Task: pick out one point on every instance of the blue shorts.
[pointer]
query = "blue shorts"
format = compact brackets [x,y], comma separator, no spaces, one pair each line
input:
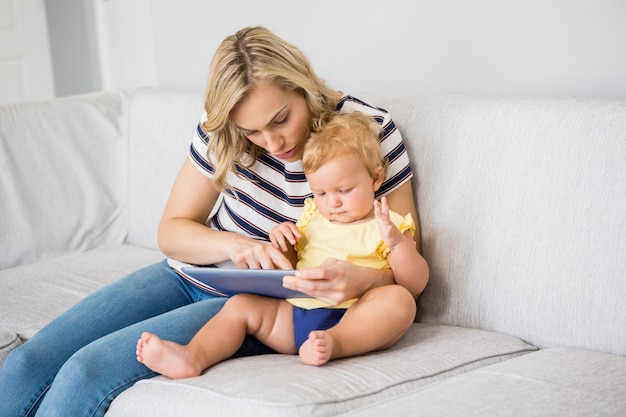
[305,321]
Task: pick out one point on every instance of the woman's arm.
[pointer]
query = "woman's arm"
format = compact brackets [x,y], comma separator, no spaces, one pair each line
[183,234]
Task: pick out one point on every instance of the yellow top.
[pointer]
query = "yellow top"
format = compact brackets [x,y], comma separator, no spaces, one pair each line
[359,243]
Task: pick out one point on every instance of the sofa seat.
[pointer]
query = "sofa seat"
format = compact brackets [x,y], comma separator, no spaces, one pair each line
[549,382]
[50,287]
[284,387]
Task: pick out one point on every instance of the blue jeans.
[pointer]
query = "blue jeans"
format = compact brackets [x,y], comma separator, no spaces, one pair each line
[77,364]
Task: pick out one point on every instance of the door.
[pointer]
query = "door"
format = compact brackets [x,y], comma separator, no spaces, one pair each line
[25,63]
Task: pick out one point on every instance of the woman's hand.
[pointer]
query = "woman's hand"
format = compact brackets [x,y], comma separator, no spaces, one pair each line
[183,233]
[254,254]
[335,281]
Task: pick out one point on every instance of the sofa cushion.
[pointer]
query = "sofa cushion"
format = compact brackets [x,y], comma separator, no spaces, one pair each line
[522,204]
[550,382]
[63,176]
[50,287]
[161,126]
[283,386]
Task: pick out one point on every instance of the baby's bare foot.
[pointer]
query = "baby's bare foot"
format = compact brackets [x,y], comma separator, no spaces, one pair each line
[318,349]
[165,357]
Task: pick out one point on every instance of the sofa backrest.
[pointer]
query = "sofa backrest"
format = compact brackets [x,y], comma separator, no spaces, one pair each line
[522,203]
[62,176]
[162,123]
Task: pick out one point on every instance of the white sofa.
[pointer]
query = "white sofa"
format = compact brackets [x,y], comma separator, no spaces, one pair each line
[522,203]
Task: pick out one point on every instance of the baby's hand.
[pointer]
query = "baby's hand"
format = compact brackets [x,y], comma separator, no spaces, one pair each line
[283,234]
[389,232]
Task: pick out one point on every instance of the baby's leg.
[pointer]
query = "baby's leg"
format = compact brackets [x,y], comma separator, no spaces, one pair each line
[219,338]
[215,341]
[273,326]
[318,348]
[375,322]
[167,358]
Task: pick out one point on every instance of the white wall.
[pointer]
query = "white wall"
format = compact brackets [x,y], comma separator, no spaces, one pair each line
[126,48]
[73,47]
[548,47]
[25,61]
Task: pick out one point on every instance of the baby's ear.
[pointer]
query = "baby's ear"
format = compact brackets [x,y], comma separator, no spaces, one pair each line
[378,177]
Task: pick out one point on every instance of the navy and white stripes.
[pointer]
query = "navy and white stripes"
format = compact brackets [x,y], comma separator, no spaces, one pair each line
[273,191]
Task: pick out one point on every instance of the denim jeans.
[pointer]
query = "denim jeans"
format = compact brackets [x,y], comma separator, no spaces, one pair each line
[77,364]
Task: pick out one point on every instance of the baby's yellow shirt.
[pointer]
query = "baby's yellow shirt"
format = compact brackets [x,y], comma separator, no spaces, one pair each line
[359,243]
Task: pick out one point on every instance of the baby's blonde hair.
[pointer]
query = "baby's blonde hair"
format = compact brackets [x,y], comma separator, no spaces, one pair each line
[255,55]
[345,133]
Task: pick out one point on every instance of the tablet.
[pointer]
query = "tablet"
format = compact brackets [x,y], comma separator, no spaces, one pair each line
[231,281]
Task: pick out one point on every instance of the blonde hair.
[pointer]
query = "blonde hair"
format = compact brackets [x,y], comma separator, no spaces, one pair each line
[345,133]
[255,55]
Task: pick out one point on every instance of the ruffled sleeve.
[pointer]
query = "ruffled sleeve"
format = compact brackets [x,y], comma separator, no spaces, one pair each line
[310,209]
[403,224]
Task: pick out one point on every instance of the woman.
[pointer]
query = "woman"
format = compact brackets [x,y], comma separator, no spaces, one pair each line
[262,101]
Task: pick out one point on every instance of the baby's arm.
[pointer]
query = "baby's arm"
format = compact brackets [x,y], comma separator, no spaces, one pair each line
[404,257]
[284,237]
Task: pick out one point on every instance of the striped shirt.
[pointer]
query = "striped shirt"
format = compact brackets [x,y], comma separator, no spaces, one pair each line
[273,191]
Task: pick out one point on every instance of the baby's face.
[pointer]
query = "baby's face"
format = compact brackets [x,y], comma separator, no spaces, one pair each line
[343,190]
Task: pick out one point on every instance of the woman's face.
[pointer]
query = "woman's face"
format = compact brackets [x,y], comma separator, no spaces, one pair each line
[274,119]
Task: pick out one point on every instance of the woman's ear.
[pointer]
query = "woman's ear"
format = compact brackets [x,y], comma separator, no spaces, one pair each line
[378,177]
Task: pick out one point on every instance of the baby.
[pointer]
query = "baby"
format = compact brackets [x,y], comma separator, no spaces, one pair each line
[343,220]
